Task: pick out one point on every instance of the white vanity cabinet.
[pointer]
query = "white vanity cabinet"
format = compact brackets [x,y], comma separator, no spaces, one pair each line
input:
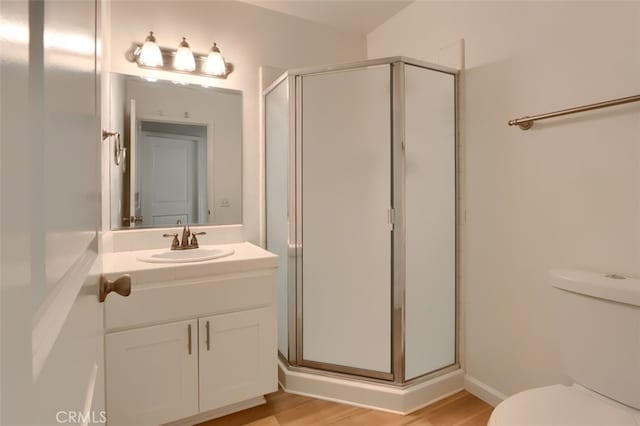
[152,375]
[235,357]
[195,345]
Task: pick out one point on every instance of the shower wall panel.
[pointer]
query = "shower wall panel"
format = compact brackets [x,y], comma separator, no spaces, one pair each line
[430,215]
[277,181]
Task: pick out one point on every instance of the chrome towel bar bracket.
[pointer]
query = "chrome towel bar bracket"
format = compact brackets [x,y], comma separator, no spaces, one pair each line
[119,152]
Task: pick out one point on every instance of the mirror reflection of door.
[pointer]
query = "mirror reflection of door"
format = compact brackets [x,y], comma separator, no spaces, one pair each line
[172,173]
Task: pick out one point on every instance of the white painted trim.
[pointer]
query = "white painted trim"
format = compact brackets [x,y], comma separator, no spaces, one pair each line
[53,312]
[370,395]
[214,414]
[483,391]
[426,393]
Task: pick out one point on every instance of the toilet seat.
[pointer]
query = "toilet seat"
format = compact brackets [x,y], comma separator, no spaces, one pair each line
[562,405]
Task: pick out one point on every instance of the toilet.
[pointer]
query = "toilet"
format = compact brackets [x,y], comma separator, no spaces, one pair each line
[598,321]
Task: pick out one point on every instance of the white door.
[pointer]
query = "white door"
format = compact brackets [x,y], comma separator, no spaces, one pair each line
[168,179]
[163,359]
[237,357]
[51,319]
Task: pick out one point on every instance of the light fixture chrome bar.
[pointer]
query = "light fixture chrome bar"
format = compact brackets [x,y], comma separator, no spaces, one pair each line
[525,123]
[133,55]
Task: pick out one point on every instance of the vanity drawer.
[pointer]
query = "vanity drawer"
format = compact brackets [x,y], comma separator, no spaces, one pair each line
[171,301]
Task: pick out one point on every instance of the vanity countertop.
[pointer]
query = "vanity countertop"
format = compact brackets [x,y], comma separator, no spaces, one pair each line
[246,257]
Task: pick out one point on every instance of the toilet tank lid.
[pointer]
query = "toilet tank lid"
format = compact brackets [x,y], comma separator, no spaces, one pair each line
[614,287]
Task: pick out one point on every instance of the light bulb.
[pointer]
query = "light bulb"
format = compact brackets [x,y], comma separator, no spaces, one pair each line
[215,62]
[184,60]
[150,54]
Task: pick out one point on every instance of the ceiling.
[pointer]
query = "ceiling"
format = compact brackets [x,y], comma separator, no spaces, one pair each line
[357,16]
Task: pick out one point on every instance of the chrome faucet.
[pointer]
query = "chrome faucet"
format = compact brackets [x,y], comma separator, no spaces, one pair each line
[186,233]
[184,243]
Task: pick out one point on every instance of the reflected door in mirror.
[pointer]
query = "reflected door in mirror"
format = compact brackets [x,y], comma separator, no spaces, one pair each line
[172,179]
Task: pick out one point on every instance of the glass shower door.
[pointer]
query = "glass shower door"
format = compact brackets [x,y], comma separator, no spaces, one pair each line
[345,178]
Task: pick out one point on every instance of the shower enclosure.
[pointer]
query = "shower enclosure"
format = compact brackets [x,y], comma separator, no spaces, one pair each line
[361,207]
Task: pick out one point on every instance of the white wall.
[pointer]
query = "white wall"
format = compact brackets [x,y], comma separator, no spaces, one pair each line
[249,37]
[566,193]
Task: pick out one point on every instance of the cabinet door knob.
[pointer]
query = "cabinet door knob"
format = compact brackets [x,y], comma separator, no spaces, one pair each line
[122,286]
[189,338]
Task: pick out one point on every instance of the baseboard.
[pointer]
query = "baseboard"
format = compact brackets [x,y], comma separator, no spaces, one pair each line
[483,391]
[214,414]
[370,395]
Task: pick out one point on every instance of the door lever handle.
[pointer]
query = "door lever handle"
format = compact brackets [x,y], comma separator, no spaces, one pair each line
[122,286]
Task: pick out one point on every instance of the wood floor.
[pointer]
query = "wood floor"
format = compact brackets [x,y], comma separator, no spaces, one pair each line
[283,409]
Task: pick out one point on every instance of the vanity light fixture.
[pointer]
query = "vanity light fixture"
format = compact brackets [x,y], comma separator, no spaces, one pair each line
[183,60]
[215,62]
[150,54]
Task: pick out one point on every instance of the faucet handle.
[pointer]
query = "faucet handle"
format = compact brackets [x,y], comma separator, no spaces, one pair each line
[174,243]
[194,240]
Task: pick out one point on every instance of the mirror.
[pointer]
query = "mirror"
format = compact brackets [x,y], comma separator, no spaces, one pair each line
[182,157]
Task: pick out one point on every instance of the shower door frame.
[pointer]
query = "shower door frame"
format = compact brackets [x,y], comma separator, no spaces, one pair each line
[295,358]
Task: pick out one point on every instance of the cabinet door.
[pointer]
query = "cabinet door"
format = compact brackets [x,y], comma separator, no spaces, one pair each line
[152,374]
[237,357]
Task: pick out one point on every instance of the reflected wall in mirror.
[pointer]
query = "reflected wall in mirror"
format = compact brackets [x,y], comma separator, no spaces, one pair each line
[184,154]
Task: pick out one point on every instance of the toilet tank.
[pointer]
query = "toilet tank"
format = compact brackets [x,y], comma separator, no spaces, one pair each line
[598,317]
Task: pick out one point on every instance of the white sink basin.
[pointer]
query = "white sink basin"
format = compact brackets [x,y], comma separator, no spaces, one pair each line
[186,256]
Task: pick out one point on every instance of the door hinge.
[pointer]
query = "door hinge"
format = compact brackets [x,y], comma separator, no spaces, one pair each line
[391,216]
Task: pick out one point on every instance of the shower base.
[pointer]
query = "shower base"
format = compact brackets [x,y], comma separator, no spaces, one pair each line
[361,393]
